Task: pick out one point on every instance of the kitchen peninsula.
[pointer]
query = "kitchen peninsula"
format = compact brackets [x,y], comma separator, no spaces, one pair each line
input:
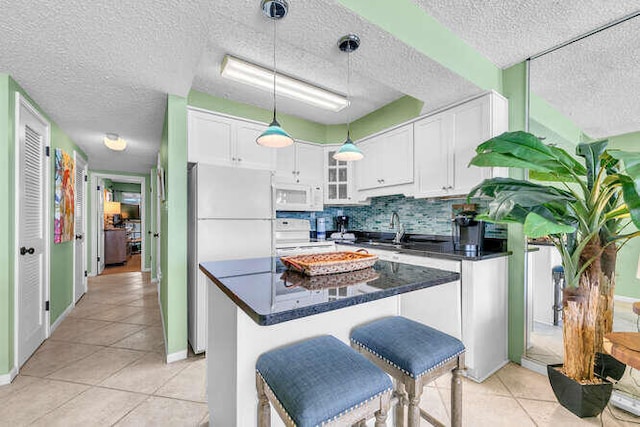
[255,305]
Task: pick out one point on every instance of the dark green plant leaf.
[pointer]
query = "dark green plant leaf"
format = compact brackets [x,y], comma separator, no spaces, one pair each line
[591,153]
[631,198]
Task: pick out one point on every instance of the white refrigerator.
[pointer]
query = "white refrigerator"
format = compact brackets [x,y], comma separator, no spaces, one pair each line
[231,216]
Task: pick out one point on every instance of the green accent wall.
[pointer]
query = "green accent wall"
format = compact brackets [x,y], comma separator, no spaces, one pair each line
[392,114]
[549,117]
[173,286]
[61,255]
[6,224]
[627,284]
[515,90]
[399,111]
[298,128]
[410,24]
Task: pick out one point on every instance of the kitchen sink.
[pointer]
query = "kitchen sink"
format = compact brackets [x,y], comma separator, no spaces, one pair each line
[387,244]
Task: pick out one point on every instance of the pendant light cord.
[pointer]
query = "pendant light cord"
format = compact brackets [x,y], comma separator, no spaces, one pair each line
[348,95]
[274,70]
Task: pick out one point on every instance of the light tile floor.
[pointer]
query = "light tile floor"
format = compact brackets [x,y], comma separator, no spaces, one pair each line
[104,365]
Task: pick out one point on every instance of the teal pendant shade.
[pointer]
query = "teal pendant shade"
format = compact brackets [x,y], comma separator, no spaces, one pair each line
[274,136]
[348,152]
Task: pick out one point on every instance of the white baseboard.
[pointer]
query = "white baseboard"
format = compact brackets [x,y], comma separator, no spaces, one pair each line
[178,355]
[7,378]
[60,318]
[145,270]
[91,275]
[533,366]
[622,298]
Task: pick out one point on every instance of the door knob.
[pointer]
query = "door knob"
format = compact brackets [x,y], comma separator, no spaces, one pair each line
[156,234]
[24,251]
[78,236]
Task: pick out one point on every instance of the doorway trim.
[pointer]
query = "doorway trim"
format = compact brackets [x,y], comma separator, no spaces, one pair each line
[24,102]
[94,215]
[85,184]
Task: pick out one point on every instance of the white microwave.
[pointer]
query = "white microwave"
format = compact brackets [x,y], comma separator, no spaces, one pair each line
[298,197]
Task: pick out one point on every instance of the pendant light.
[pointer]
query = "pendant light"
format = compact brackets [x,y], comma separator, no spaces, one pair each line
[274,136]
[349,151]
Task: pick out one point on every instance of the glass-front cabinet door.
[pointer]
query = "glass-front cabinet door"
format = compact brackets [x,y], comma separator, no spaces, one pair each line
[338,179]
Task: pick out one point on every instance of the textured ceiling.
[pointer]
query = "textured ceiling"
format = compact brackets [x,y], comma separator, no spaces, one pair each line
[307,50]
[595,81]
[99,67]
[508,32]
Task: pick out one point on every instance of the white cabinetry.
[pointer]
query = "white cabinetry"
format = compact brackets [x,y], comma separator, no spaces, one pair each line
[445,143]
[300,162]
[387,162]
[473,309]
[215,139]
[338,179]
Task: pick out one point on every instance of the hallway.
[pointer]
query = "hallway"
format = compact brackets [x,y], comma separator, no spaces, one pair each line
[104,365]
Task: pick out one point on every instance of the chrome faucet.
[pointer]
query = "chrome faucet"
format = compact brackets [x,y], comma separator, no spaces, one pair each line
[395,222]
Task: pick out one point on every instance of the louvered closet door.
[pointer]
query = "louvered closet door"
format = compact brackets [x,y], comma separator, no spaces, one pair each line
[80,282]
[31,239]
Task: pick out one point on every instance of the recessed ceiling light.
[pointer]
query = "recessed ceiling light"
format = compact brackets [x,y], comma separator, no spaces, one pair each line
[114,142]
[262,78]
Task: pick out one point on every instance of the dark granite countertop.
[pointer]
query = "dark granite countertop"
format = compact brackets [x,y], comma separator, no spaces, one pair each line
[443,251]
[269,293]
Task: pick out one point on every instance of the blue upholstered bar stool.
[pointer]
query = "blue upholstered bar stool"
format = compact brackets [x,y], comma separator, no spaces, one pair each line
[321,381]
[414,355]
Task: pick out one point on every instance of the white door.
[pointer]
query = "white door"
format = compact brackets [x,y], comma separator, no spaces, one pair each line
[80,227]
[100,223]
[32,238]
[156,235]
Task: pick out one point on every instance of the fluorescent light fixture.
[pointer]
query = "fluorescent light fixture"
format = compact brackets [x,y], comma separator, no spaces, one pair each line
[262,78]
[114,142]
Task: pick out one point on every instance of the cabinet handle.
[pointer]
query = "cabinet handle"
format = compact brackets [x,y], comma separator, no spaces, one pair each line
[293,172]
[239,159]
[233,159]
[450,187]
[444,188]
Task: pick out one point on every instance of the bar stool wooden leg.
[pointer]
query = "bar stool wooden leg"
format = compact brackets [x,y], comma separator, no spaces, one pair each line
[414,390]
[381,418]
[401,393]
[456,395]
[264,409]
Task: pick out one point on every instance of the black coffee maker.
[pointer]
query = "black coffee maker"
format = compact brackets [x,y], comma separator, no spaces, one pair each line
[342,223]
[468,233]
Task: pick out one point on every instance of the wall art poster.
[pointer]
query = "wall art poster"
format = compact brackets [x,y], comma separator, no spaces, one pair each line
[64,197]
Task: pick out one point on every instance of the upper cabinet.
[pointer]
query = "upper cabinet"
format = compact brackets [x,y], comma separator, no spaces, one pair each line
[300,162]
[338,179]
[387,162]
[215,139]
[445,143]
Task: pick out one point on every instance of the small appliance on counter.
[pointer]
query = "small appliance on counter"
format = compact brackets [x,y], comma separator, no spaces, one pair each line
[293,237]
[342,222]
[468,233]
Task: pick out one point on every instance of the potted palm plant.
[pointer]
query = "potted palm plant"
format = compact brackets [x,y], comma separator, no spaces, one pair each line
[584,209]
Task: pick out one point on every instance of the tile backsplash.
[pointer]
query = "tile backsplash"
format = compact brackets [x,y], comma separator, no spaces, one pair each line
[419,216]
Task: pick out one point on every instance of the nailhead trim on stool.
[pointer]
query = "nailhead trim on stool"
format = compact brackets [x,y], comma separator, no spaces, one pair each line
[414,354]
[320,380]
